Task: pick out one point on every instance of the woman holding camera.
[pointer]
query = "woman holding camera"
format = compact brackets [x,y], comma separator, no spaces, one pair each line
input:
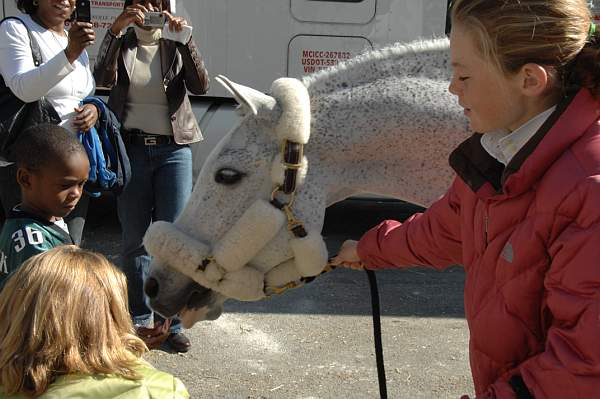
[150,67]
[64,78]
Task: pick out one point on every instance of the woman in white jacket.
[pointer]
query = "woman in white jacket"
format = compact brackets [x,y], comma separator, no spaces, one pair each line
[64,78]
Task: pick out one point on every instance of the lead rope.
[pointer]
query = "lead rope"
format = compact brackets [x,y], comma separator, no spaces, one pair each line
[376,315]
[377,333]
[297,229]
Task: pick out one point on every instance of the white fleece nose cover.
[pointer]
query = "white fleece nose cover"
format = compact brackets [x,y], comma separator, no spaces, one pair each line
[310,254]
[164,241]
[229,274]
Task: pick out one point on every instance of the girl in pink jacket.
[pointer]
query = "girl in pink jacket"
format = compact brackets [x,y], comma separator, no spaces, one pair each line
[523,213]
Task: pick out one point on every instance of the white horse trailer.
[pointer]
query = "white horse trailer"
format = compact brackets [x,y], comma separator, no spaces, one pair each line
[254,42]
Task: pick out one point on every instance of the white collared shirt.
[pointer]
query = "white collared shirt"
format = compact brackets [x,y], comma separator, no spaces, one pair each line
[503,145]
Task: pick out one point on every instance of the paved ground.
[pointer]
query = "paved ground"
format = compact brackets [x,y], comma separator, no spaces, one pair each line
[316,341]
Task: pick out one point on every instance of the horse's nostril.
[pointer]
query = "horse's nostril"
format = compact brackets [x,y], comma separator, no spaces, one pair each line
[151,287]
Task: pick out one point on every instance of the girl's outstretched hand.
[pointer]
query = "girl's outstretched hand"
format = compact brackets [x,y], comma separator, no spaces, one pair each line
[348,256]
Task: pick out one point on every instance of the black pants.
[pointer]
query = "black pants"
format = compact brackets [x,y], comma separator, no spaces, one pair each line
[10,195]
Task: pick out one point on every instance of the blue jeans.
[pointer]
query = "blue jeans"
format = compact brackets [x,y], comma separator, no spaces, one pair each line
[161,183]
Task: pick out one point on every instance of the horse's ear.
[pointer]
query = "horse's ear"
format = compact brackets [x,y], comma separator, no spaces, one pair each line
[249,99]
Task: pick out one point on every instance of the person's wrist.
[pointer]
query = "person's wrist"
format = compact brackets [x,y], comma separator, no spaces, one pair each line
[71,55]
[115,30]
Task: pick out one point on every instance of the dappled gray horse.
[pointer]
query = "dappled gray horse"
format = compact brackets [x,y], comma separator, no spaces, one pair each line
[382,122]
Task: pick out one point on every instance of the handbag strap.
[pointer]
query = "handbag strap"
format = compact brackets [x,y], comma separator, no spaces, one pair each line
[35,49]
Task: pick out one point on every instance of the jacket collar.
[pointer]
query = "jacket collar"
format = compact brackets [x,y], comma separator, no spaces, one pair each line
[147,37]
[167,52]
[503,144]
[487,177]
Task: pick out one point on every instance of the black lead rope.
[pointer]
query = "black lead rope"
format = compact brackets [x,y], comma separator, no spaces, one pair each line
[376,312]
[377,333]
[292,154]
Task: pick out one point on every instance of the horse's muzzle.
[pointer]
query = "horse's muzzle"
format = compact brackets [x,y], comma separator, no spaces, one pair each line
[192,296]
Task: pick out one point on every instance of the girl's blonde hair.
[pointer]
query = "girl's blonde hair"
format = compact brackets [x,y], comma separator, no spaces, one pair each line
[65,311]
[554,34]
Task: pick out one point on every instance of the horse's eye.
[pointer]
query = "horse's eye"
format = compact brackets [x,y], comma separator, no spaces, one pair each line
[228,176]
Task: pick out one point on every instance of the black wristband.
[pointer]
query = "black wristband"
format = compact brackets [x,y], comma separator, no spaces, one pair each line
[518,385]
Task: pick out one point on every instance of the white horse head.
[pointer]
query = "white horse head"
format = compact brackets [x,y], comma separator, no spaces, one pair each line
[382,123]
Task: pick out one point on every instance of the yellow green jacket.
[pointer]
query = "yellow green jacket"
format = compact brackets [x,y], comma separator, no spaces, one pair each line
[154,384]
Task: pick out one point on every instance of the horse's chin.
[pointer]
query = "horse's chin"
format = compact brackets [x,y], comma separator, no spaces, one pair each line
[191,316]
[197,309]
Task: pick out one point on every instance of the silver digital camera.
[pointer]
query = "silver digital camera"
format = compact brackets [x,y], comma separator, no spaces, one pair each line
[154,19]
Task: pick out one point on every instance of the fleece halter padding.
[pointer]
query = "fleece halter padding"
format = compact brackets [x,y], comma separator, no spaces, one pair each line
[169,245]
[257,226]
[310,253]
[294,123]
[227,270]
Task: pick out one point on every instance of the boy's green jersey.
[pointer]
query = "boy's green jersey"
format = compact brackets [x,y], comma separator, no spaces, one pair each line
[24,235]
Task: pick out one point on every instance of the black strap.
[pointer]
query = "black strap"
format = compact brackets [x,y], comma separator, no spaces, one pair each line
[35,49]
[377,333]
[518,385]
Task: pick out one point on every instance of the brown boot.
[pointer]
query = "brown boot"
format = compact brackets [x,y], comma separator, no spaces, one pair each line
[179,342]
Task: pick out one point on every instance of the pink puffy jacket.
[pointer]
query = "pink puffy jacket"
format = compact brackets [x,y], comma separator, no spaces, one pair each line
[528,236]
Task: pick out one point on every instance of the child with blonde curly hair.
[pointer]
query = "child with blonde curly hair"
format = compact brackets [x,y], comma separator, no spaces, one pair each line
[66,332]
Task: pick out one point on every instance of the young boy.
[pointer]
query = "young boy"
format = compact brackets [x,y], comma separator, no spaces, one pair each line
[52,167]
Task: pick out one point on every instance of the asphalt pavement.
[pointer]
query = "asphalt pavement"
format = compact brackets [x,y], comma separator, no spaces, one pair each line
[317,341]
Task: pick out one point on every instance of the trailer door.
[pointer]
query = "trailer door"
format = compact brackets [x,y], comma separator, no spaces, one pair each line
[334,11]
[344,19]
